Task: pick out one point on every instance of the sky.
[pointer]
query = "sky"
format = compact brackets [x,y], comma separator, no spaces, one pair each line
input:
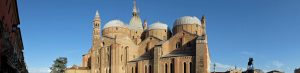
[267,30]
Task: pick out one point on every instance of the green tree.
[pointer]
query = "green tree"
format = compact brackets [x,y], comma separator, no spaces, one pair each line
[59,65]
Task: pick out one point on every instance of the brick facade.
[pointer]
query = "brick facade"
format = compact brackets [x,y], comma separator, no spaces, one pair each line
[11,45]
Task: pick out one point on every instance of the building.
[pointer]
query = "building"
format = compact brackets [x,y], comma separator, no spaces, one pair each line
[137,48]
[77,69]
[259,71]
[11,46]
[235,70]
[275,71]
[297,70]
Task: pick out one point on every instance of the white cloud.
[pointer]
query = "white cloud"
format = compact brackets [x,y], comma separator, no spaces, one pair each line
[39,70]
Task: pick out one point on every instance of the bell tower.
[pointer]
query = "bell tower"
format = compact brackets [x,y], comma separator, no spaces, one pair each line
[96,31]
[95,52]
[202,51]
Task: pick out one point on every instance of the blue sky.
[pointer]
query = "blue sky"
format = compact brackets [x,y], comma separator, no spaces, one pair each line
[267,30]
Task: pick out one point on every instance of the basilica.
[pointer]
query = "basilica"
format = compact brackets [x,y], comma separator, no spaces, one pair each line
[141,48]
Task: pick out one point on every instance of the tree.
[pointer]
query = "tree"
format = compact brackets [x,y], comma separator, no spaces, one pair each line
[59,65]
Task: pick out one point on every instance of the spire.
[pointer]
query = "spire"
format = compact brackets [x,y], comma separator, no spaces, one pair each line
[97,16]
[134,11]
[203,20]
[145,25]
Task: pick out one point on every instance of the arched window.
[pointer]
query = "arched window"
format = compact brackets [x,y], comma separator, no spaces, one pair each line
[184,67]
[136,70]
[177,45]
[121,58]
[191,67]
[132,70]
[166,68]
[146,69]
[172,68]
[150,71]
[146,49]
[126,53]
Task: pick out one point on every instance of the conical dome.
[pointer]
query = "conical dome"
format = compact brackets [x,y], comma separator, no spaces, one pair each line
[136,23]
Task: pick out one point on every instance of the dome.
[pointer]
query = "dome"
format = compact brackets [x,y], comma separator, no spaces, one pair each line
[158,25]
[187,20]
[114,23]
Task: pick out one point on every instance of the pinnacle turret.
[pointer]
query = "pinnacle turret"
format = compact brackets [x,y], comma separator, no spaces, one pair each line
[97,16]
[203,22]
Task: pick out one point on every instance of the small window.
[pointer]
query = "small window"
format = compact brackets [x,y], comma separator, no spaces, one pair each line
[121,57]
[150,69]
[166,68]
[146,69]
[136,70]
[191,67]
[172,68]
[177,45]
[184,67]
[132,70]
